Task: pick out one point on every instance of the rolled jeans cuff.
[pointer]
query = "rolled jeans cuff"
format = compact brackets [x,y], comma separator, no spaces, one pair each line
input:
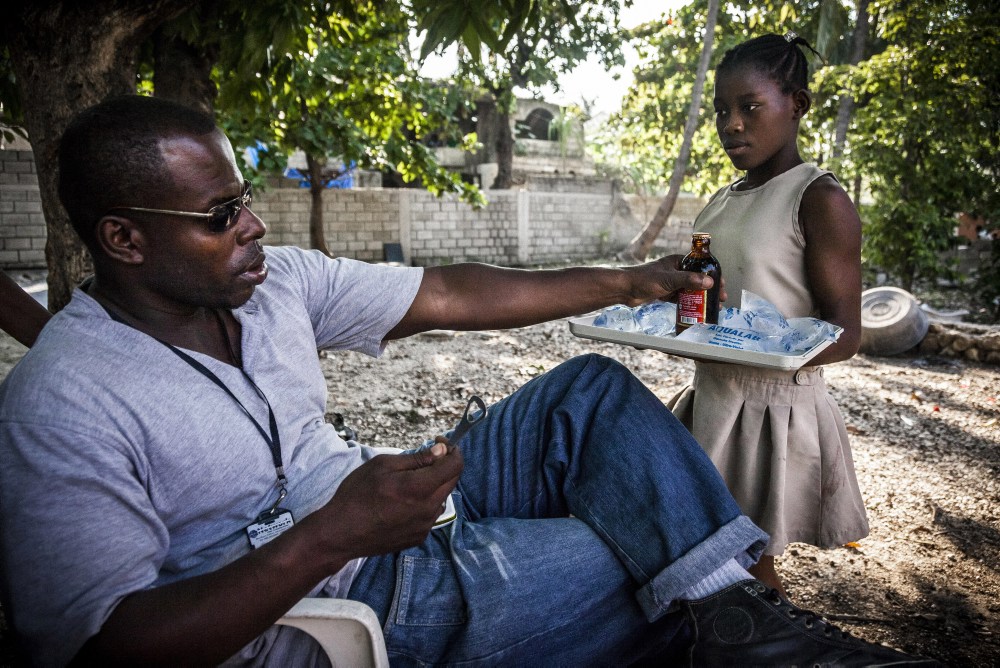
[740,539]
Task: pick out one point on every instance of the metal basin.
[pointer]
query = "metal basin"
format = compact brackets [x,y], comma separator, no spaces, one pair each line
[892,321]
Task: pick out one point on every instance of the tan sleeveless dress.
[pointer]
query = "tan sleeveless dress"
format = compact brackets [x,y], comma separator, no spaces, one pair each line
[777,437]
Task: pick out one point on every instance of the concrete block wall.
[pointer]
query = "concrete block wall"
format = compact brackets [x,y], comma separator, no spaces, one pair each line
[564,227]
[539,163]
[632,212]
[357,222]
[22,224]
[517,227]
[446,230]
[568,183]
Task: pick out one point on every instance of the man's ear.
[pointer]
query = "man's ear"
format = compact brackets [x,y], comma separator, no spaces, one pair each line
[801,101]
[120,239]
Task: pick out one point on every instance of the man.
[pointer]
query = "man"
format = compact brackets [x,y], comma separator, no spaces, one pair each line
[171,489]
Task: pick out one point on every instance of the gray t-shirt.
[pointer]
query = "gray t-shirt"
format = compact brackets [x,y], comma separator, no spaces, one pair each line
[123,468]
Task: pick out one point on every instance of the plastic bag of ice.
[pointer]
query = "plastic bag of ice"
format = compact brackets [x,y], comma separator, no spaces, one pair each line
[760,315]
[759,326]
[730,317]
[656,318]
[735,338]
[618,317]
[805,333]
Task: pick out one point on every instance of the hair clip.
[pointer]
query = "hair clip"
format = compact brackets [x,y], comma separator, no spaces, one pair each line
[791,36]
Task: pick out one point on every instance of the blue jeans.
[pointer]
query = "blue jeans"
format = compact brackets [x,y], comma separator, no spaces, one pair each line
[584,510]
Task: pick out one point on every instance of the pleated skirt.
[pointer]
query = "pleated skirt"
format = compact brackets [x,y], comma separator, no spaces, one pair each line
[781,444]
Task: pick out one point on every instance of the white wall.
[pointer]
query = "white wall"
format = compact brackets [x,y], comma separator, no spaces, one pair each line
[517,227]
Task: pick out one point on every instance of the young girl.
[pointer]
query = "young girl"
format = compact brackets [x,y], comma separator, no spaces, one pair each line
[788,232]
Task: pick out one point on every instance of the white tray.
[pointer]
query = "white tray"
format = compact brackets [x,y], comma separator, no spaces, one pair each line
[584,328]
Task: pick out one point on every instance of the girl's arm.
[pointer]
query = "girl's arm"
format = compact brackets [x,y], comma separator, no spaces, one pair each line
[832,230]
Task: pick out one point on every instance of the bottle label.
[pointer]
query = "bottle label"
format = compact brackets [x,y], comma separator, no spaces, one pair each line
[691,306]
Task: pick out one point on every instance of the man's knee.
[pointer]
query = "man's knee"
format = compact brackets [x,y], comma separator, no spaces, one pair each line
[589,374]
[597,362]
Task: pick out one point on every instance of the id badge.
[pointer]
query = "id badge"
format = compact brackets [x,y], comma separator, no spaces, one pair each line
[269,525]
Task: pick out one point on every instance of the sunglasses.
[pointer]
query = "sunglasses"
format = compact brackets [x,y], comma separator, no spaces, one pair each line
[218,219]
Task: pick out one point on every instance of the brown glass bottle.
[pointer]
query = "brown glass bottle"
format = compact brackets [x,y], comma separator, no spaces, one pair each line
[695,306]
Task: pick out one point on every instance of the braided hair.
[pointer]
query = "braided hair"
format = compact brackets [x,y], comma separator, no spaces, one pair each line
[775,55]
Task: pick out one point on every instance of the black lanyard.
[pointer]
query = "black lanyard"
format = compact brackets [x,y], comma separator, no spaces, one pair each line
[273,441]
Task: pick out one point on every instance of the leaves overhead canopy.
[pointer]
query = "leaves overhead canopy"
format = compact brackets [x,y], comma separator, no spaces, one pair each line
[926,134]
[344,87]
[557,35]
[474,23]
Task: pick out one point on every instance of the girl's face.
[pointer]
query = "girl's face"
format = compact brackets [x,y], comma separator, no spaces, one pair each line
[758,123]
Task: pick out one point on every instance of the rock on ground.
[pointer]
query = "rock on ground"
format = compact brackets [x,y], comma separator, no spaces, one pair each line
[926,439]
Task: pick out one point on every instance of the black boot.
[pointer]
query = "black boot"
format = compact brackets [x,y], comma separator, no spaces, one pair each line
[749,624]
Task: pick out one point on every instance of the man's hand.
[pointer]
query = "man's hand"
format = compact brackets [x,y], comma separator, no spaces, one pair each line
[663,278]
[391,502]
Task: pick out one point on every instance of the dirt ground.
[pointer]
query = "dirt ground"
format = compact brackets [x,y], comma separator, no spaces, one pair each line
[926,439]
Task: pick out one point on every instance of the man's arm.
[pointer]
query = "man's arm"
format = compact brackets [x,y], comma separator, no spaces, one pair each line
[20,315]
[833,263]
[474,296]
[388,504]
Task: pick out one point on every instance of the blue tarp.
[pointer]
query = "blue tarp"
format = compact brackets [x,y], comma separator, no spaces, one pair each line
[345,180]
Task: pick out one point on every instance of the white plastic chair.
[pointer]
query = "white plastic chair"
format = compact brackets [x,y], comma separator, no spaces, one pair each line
[348,631]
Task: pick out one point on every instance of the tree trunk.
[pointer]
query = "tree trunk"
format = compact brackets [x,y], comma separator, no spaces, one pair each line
[901,223]
[908,276]
[505,150]
[317,234]
[182,72]
[68,56]
[639,247]
[859,43]
[486,127]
